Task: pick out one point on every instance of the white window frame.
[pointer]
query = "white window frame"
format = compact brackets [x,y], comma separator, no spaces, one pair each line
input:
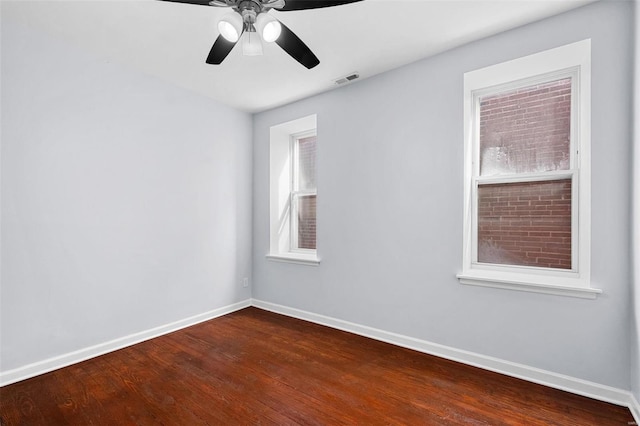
[296,193]
[282,244]
[573,60]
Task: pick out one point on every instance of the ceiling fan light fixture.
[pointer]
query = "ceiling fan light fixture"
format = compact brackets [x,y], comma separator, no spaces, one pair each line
[230,27]
[268,27]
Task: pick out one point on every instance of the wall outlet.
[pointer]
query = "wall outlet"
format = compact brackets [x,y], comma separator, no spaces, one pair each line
[245,282]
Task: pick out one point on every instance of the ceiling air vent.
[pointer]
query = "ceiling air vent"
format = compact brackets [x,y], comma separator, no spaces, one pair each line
[347,78]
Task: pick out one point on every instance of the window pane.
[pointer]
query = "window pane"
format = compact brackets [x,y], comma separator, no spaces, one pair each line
[525,224]
[306,207]
[306,179]
[526,130]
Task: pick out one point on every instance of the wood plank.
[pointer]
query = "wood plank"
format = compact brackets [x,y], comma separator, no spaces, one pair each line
[257,367]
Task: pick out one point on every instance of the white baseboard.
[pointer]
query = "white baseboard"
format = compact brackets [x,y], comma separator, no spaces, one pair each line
[520,371]
[634,407]
[47,365]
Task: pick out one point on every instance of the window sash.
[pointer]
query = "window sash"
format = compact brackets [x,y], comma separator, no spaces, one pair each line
[572,173]
[529,178]
[295,154]
[296,194]
[295,226]
[572,72]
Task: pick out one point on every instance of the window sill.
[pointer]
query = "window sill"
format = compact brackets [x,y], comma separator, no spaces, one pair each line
[298,258]
[512,284]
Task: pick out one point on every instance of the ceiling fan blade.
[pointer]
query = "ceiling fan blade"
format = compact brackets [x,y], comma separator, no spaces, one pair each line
[198,2]
[220,50]
[295,47]
[291,5]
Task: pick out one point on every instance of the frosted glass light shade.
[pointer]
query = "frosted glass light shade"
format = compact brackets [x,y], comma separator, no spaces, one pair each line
[268,27]
[230,27]
[251,44]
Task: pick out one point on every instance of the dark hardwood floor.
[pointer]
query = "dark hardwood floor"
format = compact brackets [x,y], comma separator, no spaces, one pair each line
[256,367]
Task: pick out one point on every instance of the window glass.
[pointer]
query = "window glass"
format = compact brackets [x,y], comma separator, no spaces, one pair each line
[526,130]
[525,224]
[306,208]
[306,161]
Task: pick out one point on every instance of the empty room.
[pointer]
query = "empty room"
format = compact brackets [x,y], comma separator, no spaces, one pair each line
[409,212]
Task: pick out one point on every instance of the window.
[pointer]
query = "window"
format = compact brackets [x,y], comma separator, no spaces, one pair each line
[293,192]
[527,180]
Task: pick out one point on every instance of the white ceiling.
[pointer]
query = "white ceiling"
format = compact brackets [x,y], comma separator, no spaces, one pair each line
[171,40]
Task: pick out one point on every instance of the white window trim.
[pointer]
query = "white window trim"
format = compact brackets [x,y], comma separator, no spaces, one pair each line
[575,60]
[280,189]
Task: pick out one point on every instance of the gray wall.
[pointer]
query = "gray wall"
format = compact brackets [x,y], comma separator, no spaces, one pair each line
[126,202]
[635,327]
[390,159]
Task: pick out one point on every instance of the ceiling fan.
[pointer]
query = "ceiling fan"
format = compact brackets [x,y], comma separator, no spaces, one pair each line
[250,17]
